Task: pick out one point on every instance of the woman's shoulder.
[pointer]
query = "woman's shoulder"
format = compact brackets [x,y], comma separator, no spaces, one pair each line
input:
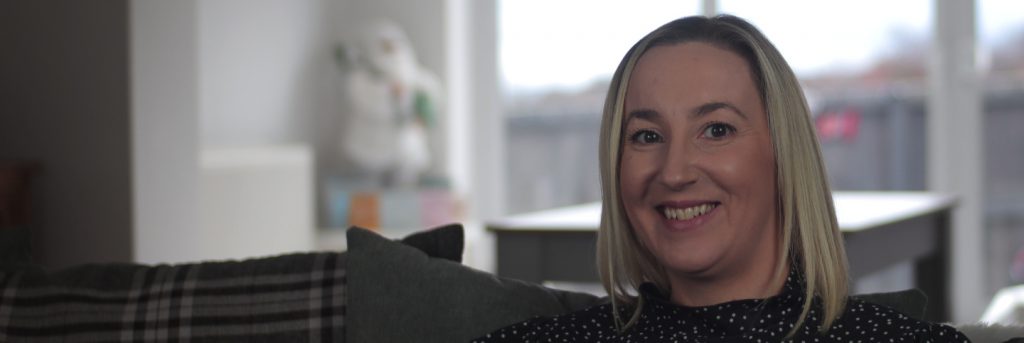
[587,325]
[866,319]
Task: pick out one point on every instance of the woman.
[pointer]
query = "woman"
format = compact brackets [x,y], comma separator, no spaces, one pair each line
[718,222]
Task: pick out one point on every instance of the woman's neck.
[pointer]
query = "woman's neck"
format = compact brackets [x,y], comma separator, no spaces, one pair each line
[755,283]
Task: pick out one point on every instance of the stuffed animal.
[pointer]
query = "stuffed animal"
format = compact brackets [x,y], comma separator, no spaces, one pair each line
[392,106]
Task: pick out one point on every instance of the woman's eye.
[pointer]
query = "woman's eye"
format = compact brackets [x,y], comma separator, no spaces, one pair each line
[646,137]
[718,130]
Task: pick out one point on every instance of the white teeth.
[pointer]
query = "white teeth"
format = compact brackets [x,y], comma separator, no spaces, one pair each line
[687,213]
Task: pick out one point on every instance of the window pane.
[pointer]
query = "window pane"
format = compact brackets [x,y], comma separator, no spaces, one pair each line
[557,58]
[862,65]
[1001,57]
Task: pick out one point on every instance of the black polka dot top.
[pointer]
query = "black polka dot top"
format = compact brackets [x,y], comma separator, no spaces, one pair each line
[756,320]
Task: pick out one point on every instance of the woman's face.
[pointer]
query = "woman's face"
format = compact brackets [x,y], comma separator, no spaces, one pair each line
[697,170]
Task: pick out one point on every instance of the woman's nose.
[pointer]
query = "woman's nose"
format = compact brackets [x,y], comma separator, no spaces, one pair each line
[678,170]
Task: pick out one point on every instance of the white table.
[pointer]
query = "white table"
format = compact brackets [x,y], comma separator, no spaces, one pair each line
[880,229]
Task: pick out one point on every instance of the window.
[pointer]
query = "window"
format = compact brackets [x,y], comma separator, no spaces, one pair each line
[557,58]
[864,69]
[1001,59]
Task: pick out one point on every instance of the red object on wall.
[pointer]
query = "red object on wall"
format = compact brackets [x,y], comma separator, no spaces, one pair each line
[838,125]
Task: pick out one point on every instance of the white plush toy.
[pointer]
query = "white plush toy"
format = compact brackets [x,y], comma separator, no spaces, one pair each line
[392,106]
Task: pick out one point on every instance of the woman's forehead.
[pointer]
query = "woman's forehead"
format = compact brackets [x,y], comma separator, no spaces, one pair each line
[686,76]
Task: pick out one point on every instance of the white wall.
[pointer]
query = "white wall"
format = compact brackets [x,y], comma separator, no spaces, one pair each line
[268,76]
[210,74]
[254,202]
[164,130]
[264,68]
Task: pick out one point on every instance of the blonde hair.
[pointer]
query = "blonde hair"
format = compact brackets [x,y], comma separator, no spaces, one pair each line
[807,220]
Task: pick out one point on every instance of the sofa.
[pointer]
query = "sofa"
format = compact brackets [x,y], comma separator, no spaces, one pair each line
[380,290]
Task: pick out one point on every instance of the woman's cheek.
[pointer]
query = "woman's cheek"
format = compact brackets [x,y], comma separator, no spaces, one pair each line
[723,166]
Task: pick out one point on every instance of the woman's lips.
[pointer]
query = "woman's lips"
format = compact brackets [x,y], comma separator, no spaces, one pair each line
[675,213]
[679,216]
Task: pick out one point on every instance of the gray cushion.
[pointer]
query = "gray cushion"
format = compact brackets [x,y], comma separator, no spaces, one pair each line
[443,242]
[397,293]
[14,246]
[416,291]
[992,333]
[911,302]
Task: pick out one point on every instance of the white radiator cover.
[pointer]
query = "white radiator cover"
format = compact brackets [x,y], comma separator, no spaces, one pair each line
[255,201]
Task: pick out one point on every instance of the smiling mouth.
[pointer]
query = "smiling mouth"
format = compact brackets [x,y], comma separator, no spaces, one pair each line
[673,213]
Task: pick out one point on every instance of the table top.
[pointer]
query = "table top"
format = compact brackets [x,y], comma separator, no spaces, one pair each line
[856,211]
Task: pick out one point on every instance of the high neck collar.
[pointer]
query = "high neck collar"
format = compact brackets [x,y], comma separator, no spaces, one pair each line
[734,318]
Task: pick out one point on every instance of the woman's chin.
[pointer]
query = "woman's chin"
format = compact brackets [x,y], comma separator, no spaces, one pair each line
[690,267]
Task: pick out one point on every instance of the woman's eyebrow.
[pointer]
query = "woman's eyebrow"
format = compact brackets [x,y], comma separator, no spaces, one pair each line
[643,113]
[697,112]
[707,108]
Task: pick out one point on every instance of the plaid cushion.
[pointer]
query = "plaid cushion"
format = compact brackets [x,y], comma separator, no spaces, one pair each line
[289,298]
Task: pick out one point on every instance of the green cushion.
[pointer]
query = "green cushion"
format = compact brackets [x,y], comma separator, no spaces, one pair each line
[398,293]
